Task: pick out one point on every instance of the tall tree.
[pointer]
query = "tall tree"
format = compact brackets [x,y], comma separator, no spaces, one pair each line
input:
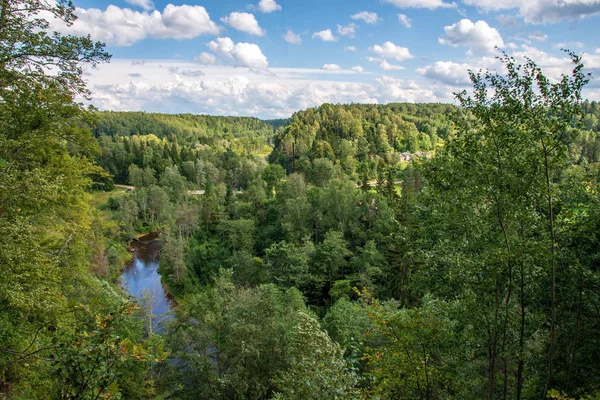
[492,223]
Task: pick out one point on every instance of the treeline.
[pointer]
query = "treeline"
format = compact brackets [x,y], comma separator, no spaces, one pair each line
[187,128]
[197,146]
[585,145]
[357,136]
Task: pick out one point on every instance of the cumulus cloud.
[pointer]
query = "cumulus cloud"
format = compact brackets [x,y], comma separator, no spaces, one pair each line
[205,59]
[404,20]
[553,66]
[478,36]
[244,22]
[349,30]
[123,26]
[368,17]
[542,11]
[398,90]
[331,67]
[350,48]
[447,72]
[243,54]
[358,69]
[390,50]
[231,91]
[325,36]
[386,66]
[292,37]
[430,4]
[268,6]
[145,4]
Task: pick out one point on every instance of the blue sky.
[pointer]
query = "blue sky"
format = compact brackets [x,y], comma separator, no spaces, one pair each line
[269,58]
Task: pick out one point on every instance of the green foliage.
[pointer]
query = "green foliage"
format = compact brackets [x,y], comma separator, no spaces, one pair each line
[408,361]
[245,343]
[91,364]
[316,366]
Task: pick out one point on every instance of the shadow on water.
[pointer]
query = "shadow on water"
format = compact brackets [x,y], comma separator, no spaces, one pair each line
[141,279]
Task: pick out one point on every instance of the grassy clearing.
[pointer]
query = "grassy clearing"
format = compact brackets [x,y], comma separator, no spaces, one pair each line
[100,199]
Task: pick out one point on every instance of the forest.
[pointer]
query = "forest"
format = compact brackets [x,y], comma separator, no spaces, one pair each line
[399,251]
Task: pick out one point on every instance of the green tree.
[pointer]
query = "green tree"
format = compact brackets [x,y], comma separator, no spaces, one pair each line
[272,174]
[330,259]
[493,196]
[287,265]
[44,167]
[316,369]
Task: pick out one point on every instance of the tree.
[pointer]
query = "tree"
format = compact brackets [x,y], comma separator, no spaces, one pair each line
[330,258]
[316,369]
[272,174]
[44,167]
[287,264]
[32,56]
[492,224]
[408,362]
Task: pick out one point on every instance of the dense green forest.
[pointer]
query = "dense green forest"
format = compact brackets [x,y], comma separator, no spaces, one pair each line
[400,251]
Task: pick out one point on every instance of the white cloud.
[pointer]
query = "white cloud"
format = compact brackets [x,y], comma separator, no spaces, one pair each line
[447,72]
[243,54]
[188,73]
[478,36]
[386,66]
[205,59]
[542,11]
[552,66]
[390,50]
[268,6]
[292,37]
[508,21]
[404,20]
[368,17]
[591,61]
[235,91]
[145,4]
[358,69]
[430,4]
[350,48]
[349,30]
[331,67]
[244,22]
[325,36]
[398,90]
[539,36]
[123,26]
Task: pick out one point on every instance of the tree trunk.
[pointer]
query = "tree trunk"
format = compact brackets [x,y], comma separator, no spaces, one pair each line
[553,269]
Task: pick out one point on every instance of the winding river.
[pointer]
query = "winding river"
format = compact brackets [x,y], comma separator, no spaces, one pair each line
[141,279]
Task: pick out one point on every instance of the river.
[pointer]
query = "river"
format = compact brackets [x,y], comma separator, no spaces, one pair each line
[141,279]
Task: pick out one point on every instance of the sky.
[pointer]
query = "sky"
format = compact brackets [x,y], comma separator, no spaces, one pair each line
[271,58]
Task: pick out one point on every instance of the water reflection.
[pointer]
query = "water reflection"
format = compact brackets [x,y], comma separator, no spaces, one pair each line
[142,280]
